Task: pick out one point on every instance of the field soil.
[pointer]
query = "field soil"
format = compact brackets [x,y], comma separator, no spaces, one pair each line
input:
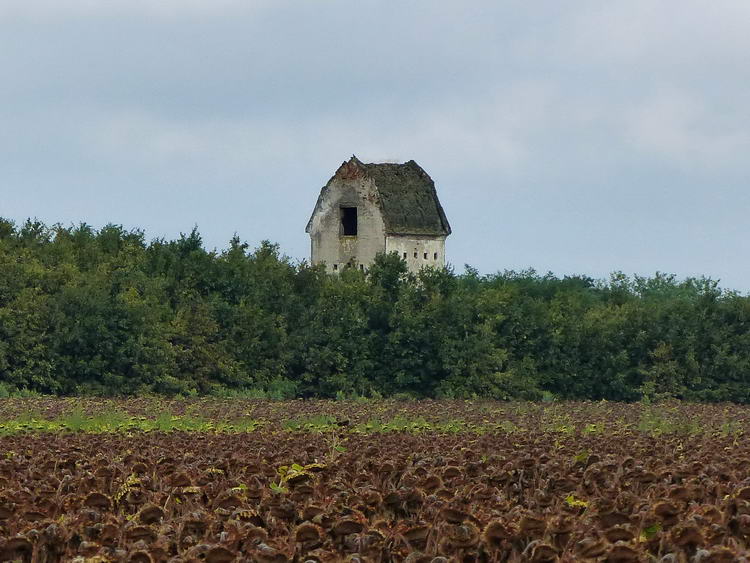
[241,480]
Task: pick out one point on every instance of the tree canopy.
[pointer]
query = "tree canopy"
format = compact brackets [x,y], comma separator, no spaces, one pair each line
[104,312]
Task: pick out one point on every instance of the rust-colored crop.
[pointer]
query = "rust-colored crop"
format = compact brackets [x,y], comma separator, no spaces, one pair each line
[510,482]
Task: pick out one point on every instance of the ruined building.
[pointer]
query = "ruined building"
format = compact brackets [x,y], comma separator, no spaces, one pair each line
[369,208]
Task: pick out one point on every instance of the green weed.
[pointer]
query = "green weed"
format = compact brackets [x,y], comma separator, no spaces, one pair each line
[316,423]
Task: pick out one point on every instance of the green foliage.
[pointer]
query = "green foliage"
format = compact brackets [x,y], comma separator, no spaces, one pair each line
[650,531]
[112,420]
[316,423]
[562,421]
[103,312]
[574,502]
[662,420]
[417,425]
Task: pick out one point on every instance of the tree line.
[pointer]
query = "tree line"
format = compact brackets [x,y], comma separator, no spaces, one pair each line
[105,312]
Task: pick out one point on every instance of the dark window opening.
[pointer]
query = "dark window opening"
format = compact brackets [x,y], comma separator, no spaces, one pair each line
[425,256]
[404,255]
[362,267]
[335,267]
[435,256]
[415,255]
[349,221]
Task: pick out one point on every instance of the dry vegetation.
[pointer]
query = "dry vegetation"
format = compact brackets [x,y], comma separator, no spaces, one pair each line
[207,480]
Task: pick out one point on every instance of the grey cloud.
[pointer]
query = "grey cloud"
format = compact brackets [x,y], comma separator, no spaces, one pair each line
[580,137]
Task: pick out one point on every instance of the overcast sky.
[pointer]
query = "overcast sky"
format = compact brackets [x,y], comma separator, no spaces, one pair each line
[571,136]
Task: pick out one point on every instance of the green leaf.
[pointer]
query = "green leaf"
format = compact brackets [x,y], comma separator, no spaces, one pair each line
[650,532]
[571,500]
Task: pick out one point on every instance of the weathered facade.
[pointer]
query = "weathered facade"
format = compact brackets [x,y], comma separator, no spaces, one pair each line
[370,208]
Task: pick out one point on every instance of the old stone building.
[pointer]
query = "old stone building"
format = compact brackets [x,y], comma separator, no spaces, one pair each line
[370,208]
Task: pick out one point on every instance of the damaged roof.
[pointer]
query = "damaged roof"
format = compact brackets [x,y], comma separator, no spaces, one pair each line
[408,199]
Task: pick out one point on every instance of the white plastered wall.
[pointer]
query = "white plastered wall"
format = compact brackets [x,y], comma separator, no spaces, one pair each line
[328,244]
[418,251]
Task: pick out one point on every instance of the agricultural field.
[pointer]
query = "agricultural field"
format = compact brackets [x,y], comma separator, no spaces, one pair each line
[242,480]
